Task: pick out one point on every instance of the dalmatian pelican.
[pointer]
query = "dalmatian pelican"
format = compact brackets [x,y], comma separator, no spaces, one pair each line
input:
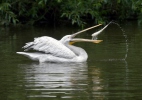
[48,49]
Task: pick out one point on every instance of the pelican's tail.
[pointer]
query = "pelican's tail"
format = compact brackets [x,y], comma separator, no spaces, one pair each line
[23,53]
[33,56]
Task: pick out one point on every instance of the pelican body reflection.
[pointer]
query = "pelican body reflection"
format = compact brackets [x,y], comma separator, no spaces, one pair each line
[62,80]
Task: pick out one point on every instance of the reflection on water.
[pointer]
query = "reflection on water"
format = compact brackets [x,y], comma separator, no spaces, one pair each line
[76,80]
[59,80]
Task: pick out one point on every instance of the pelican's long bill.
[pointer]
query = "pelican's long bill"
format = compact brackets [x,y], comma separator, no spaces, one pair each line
[73,35]
[73,40]
[84,40]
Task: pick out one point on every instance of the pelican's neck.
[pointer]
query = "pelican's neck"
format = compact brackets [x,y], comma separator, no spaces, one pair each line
[79,52]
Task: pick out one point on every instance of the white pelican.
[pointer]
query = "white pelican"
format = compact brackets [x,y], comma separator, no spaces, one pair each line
[52,50]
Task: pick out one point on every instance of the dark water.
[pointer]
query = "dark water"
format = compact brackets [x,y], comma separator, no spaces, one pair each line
[113,70]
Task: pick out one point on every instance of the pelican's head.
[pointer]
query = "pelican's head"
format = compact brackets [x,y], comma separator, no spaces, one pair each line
[69,39]
[66,39]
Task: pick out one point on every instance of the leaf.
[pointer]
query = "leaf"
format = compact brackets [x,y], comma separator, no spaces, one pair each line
[118,1]
[59,1]
[63,14]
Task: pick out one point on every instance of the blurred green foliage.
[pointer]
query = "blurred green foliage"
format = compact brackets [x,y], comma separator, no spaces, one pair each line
[73,11]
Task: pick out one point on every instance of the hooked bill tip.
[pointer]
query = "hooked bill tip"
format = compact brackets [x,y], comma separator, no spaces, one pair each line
[97,41]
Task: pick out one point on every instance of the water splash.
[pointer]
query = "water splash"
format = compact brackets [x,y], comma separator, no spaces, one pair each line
[94,37]
[126,39]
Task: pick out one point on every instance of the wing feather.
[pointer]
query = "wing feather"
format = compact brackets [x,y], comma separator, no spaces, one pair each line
[50,45]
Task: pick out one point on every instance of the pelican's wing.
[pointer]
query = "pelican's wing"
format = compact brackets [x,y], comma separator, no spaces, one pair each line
[50,46]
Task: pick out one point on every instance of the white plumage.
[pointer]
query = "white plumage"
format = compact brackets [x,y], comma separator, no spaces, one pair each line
[52,50]
[51,46]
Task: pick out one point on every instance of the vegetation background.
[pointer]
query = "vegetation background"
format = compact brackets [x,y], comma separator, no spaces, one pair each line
[77,12]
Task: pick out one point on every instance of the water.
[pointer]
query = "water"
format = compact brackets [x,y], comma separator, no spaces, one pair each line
[112,72]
